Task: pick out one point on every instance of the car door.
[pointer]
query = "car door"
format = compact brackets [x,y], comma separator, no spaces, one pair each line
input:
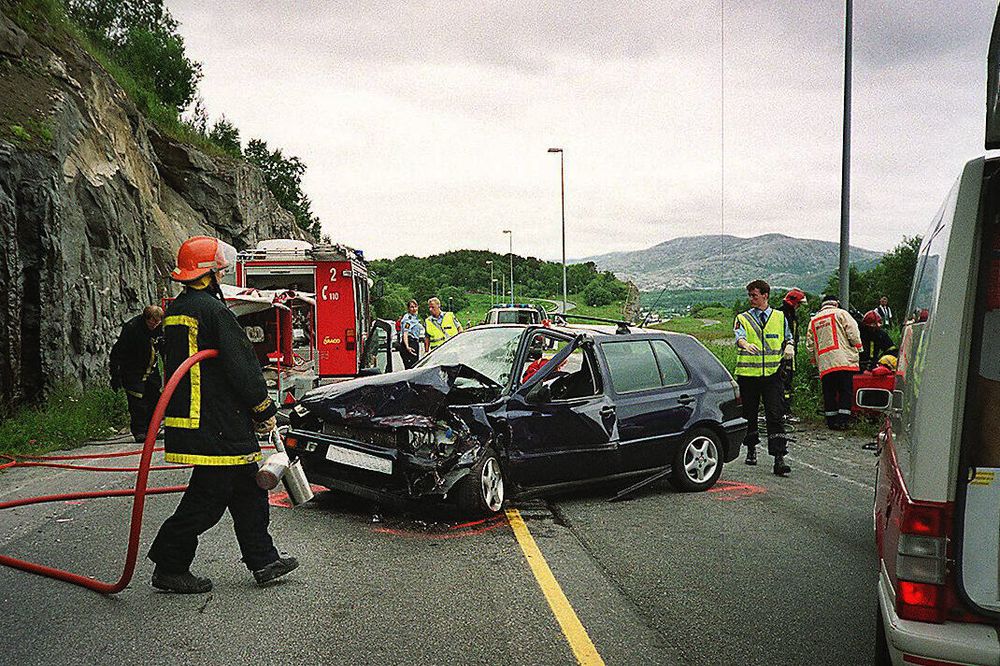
[378,347]
[564,437]
[655,397]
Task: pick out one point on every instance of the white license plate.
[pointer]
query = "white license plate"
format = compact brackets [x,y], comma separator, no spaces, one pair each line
[358,459]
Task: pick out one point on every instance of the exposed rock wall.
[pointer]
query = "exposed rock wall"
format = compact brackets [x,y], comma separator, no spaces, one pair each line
[93,205]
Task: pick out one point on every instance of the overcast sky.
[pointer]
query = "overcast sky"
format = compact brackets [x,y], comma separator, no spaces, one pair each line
[425,125]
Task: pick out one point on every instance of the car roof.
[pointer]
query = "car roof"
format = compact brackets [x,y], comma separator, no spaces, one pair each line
[603,331]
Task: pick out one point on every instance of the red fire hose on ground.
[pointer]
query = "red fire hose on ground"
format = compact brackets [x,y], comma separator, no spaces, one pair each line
[139,492]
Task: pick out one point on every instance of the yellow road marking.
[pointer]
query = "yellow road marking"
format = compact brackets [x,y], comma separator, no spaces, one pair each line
[583,648]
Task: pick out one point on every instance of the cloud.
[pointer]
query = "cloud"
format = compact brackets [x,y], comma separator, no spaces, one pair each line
[425,124]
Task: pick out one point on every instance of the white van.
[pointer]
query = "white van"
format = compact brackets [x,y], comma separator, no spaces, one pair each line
[937,496]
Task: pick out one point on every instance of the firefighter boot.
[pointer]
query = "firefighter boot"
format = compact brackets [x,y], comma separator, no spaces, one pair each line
[781,468]
[751,455]
[182,583]
[276,569]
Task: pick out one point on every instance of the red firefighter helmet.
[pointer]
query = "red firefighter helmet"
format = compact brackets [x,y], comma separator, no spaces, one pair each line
[872,318]
[200,255]
[796,297]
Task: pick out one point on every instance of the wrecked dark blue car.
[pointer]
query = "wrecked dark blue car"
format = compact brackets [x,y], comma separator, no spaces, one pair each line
[504,411]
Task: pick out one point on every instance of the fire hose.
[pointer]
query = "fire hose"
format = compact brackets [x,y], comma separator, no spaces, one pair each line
[138,493]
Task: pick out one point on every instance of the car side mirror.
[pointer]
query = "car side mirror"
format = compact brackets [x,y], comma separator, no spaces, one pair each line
[874,398]
[538,394]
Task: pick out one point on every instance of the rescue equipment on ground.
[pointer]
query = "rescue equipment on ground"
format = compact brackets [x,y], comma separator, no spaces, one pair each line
[278,468]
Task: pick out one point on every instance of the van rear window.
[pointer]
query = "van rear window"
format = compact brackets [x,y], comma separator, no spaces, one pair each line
[985,392]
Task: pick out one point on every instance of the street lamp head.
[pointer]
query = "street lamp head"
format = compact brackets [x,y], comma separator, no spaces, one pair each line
[555,150]
[506,231]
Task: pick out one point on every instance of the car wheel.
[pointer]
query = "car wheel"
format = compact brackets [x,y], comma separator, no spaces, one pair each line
[481,493]
[697,463]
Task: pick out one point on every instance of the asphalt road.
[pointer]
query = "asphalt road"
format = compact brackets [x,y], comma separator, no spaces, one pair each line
[760,570]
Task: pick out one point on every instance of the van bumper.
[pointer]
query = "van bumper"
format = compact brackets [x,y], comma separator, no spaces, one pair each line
[950,643]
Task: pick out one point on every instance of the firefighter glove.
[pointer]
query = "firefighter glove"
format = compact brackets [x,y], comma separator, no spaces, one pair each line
[267,426]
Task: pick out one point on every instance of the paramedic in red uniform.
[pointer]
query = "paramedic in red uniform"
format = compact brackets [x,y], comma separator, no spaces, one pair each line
[834,342]
[210,423]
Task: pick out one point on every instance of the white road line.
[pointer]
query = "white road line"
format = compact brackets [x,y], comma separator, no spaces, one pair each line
[835,475]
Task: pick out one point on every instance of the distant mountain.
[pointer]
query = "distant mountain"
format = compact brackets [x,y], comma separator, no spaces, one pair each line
[694,262]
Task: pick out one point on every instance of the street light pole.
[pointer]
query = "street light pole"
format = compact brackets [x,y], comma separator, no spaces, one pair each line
[845,168]
[562,199]
[511,237]
[491,281]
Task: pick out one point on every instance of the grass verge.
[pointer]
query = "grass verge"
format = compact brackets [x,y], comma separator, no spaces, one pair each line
[68,418]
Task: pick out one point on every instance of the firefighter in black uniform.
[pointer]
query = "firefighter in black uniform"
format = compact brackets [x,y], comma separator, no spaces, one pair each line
[210,423]
[134,367]
[794,299]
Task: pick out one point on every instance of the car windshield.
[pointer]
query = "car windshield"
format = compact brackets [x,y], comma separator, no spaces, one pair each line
[489,351]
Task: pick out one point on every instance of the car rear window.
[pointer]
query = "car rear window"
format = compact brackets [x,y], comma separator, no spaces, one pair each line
[632,365]
[672,371]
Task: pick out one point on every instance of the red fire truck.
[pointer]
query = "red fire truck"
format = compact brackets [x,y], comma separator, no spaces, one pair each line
[333,331]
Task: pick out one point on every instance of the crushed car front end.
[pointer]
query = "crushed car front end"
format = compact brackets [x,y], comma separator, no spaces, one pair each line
[394,436]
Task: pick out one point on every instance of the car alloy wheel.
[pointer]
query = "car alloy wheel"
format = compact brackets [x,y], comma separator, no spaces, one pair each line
[696,463]
[491,482]
[701,457]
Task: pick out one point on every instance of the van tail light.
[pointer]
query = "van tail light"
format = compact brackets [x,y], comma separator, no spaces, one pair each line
[350,340]
[736,389]
[921,562]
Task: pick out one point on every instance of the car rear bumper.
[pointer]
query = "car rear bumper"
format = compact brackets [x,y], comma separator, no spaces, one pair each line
[736,431]
[948,643]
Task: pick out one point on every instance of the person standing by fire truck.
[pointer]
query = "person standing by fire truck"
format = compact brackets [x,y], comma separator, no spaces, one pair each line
[210,422]
[134,367]
[794,299]
[411,335]
[441,326]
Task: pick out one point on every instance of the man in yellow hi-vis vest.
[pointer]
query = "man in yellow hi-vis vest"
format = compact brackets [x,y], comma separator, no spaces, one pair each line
[763,338]
[439,326]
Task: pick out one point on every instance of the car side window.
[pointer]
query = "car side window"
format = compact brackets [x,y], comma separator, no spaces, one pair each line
[672,371]
[632,365]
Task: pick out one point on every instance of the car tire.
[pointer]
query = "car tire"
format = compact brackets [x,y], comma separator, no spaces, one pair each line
[697,463]
[481,492]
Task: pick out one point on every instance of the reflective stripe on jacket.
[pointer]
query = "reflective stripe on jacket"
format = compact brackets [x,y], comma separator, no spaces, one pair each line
[770,342]
[439,334]
[210,417]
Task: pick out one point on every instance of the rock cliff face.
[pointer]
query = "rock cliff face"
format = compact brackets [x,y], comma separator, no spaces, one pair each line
[93,205]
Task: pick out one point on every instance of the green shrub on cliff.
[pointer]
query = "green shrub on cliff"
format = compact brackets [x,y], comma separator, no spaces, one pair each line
[68,418]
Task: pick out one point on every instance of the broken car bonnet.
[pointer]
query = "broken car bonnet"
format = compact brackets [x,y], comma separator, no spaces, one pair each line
[418,391]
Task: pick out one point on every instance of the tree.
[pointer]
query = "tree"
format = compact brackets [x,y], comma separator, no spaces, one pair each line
[283,177]
[141,36]
[393,302]
[225,135]
[891,277]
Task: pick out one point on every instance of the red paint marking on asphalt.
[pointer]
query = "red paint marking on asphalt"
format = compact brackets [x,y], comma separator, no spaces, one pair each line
[728,491]
[460,530]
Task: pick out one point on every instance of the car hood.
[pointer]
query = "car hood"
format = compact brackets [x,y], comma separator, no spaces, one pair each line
[418,391]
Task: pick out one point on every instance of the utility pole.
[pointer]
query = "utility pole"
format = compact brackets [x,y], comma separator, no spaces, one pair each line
[845,177]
